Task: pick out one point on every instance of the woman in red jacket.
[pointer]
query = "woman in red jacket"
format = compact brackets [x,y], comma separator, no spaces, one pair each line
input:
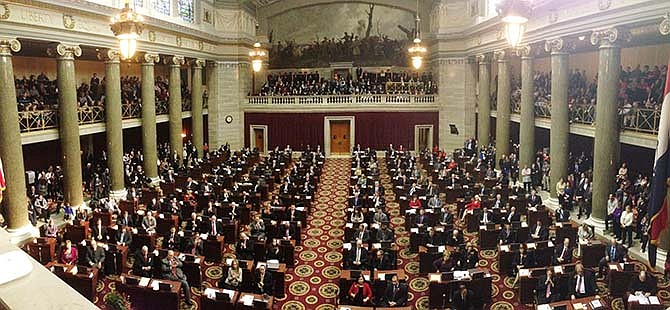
[475,203]
[415,203]
[69,255]
[360,292]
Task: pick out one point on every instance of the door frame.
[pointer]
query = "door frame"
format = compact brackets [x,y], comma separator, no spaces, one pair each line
[417,129]
[252,138]
[326,132]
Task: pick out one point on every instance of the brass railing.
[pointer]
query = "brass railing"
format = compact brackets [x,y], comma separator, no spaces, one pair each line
[341,99]
[90,115]
[38,120]
[543,109]
[161,107]
[515,106]
[131,110]
[641,120]
[186,105]
[583,113]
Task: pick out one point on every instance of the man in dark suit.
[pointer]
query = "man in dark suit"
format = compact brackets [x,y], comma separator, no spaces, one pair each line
[125,220]
[95,256]
[614,252]
[144,262]
[194,246]
[385,234]
[124,236]
[446,218]
[521,260]
[463,298]
[563,253]
[421,219]
[215,228]
[432,238]
[582,283]
[547,290]
[358,256]
[507,235]
[538,232]
[562,215]
[362,234]
[194,224]
[643,283]
[171,270]
[534,200]
[455,239]
[263,283]
[512,216]
[486,216]
[245,247]
[292,214]
[395,294]
[172,241]
[380,261]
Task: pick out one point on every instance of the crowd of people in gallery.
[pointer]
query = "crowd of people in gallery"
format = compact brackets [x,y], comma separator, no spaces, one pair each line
[309,83]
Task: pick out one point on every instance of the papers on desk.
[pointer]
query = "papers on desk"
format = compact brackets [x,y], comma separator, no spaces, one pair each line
[403,197]
[144,282]
[595,304]
[229,261]
[349,225]
[441,249]
[74,270]
[414,230]
[640,298]
[435,277]
[196,260]
[578,306]
[410,211]
[381,276]
[530,245]
[347,246]
[654,300]
[504,248]
[544,307]
[376,246]
[366,277]
[459,275]
[273,263]
[203,236]
[181,256]
[161,216]
[155,285]
[558,269]
[375,225]
[550,244]
[613,267]
[524,272]
[247,300]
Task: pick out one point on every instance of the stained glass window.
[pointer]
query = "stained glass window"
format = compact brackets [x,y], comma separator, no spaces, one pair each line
[186,10]
[161,6]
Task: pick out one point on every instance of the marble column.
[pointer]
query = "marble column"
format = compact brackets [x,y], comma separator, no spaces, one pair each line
[213,108]
[484,102]
[606,140]
[11,151]
[196,106]
[560,122]
[527,123]
[503,109]
[149,144]
[174,107]
[69,124]
[113,122]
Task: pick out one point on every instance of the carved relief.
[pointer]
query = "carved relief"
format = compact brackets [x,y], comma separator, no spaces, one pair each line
[500,55]
[664,27]
[64,51]
[151,58]
[524,51]
[152,36]
[110,55]
[176,60]
[609,37]
[554,46]
[482,59]
[68,21]
[179,42]
[4,10]
[201,45]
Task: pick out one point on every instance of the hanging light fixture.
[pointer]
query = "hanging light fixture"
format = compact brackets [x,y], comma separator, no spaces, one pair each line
[127,27]
[417,51]
[515,16]
[257,55]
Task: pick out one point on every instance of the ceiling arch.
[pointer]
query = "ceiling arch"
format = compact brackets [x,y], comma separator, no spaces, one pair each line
[270,8]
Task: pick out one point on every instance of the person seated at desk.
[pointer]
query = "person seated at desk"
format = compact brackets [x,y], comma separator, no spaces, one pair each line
[421,219]
[385,234]
[245,247]
[644,284]
[512,216]
[357,216]
[144,262]
[263,281]
[377,201]
[534,200]
[446,263]
[521,260]
[70,254]
[446,218]
[95,256]
[149,223]
[380,261]
[471,256]
[171,270]
[125,220]
[362,234]
[415,203]
[172,241]
[257,227]
[99,232]
[360,292]
[475,203]
[194,245]
[538,232]
[432,238]
[582,283]
[215,227]
[499,203]
[379,217]
[463,298]
[286,231]
[51,230]
[233,280]
[547,290]
[292,214]
[124,236]
[395,294]
[614,252]
[413,190]
[275,251]
[563,253]
[194,223]
[456,238]
[358,256]
[486,217]
[435,202]
[507,235]
[562,215]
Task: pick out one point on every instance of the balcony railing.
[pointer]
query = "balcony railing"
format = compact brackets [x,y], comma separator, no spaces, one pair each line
[162,107]
[91,115]
[641,120]
[132,110]
[515,106]
[38,120]
[341,99]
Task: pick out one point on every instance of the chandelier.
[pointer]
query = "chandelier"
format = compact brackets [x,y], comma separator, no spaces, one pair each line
[257,55]
[417,51]
[515,16]
[127,27]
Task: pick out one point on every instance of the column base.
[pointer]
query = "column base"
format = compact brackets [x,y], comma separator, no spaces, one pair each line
[21,235]
[661,256]
[598,225]
[119,194]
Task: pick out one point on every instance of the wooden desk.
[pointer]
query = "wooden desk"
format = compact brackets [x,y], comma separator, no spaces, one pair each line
[77,233]
[131,206]
[347,307]
[427,259]
[586,301]
[592,253]
[566,230]
[148,298]
[635,305]
[278,276]
[240,306]
[212,248]
[394,308]
[440,291]
[488,239]
[528,281]
[140,240]
[115,259]
[192,268]
[83,283]
[42,249]
[618,280]
[207,303]
[105,217]
[166,221]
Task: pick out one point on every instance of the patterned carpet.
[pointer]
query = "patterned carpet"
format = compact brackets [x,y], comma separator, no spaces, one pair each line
[313,283]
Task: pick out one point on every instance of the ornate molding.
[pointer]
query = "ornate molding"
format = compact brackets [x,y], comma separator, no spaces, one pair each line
[175,60]
[65,51]
[555,46]
[68,21]
[482,59]
[6,12]
[455,61]
[664,27]
[524,51]
[152,36]
[150,58]
[199,63]
[9,45]
[500,56]
[110,56]
[609,37]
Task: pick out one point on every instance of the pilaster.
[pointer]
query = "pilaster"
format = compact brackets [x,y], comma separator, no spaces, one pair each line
[456,89]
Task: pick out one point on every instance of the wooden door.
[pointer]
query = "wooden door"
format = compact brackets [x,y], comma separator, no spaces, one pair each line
[259,139]
[424,133]
[339,137]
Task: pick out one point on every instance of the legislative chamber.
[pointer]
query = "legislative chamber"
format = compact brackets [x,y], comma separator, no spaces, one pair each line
[350,155]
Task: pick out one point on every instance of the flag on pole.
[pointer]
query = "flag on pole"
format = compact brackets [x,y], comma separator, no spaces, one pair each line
[659,203]
[3,184]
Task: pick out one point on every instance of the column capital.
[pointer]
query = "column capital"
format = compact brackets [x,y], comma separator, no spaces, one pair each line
[610,37]
[482,59]
[150,58]
[664,27]
[110,56]
[64,51]
[9,45]
[175,60]
[555,46]
[524,51]
[199,63]
[500,56]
